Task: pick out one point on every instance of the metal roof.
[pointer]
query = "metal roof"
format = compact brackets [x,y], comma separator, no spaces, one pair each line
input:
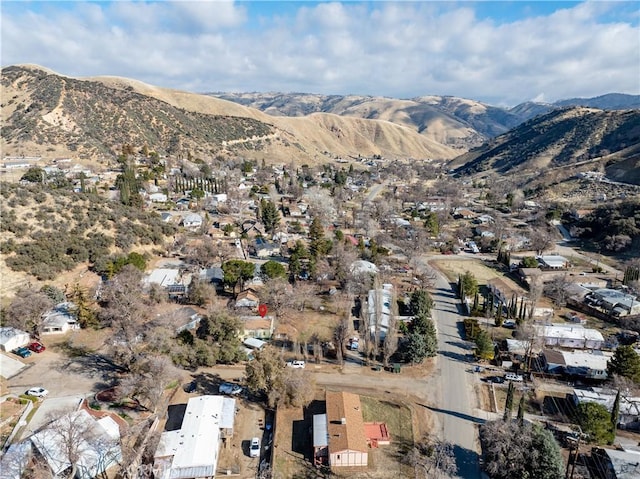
[320,432]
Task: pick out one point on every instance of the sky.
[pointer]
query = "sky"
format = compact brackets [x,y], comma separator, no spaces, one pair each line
[502,53]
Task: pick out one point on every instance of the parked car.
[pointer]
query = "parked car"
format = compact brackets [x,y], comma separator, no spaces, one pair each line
[296,364]
[509,323]
[254,448]
[514,377]
[22,352]
[230,389]
[36,347]
[191,387]
[37,392]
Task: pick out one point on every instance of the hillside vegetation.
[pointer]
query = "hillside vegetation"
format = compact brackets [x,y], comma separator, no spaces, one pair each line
[51,115]
[560,138]
[47,231]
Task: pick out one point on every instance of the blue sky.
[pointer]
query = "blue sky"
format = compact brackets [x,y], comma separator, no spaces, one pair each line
[498,52]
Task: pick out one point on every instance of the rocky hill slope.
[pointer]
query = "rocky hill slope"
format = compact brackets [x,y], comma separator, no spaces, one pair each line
[457,122]
[44,113]
[568,137]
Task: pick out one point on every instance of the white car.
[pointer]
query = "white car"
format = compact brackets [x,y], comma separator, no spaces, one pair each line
[254,448]
[37,392]
[514,377]
[296,364]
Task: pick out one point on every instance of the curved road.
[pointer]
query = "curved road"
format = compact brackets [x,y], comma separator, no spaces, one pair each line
[456,394]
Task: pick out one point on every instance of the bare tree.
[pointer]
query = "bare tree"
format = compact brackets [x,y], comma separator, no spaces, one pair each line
[277,294]
[540,239]
[557,290]
[148,381]
[434,457]
[536,287]
[390,345]
[341,332]
[26,310]
[124,309]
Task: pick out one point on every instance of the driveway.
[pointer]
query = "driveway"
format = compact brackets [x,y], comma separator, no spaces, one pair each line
[50,409]
[57,373]
[9,366]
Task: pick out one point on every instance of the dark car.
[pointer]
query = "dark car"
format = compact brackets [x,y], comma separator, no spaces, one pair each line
[36,347]
[22,352]
[191,387]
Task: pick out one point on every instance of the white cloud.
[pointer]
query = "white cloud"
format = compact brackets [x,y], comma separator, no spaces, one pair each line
[394,49]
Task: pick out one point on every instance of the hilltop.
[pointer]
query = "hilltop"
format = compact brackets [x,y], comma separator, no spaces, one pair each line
[46,113]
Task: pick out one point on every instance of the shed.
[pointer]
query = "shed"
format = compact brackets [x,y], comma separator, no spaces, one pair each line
[12,338]
[254,343]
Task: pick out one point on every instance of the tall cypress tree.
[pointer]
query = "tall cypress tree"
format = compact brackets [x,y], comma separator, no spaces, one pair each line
[615,415]
[521,410]
[508,406]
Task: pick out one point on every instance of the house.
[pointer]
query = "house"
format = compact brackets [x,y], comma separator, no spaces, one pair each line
[97,442]
[192,451]
[158,198]
[181,319]
[629,415]
[264,249]
[379,303]
[616,463]
[247,299]
[213,275]
[345,428]
[165,277]
[588,365]
[362,267]
[12,338]
[615,302]
[553,262]
[192,220]
[257,327]
[570,336]
[60,319]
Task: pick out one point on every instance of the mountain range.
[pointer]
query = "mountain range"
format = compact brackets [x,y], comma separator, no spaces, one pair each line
[48,114]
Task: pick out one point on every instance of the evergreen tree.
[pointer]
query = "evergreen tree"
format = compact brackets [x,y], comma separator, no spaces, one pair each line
[484,345]
[316,231]
[615,416]
[84,312]
[469,284]
[508,405]
[625,362]
[420,303]
[521,410]
[269,215]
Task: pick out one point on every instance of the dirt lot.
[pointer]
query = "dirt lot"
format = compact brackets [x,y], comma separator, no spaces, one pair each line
[293,441]
[57,370]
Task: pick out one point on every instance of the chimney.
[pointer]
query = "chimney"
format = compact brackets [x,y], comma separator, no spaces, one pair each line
[343,420]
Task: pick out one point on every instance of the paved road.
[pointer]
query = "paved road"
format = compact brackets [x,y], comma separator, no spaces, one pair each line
[456,395]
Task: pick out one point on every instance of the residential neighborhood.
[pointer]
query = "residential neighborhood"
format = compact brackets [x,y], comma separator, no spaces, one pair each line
[304,318]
